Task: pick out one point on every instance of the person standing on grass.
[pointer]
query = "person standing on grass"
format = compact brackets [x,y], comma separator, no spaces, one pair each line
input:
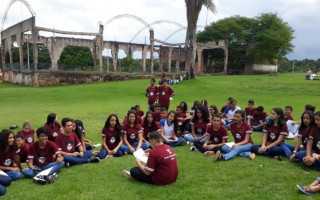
[67,141]
[27,132]
[43,155]
[217,136]
[161,167]
[132,134]
[152,93]
[8,155]
[169,129]
[241,132]
[165,93]
[53,127]
[273,134]
[111,138]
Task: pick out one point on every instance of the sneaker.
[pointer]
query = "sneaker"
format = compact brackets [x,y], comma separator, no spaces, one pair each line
[278,158]
[126,174]
[96,145]
[301,188]
[189,143]
[218,156]
[252,156]
[295,160]
[52,178]
[94,160]
[193,148]
[67,165]
[208,153]
[40,179]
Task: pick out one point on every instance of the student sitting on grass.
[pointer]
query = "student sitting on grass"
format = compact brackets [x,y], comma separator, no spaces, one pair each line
[169,128]
[311,188]
[67,141]
[149,125]
[312,159]
[4,182]
[199,125]
[80,132]
[274,133]
[287,113]
[227,105]
[157,110]
[228,114]
[111,138]
[140,112]
[22,149]
[53,127]
[43,155]
[249,110]
[310,108]
[184,106]
[258,119]
[216,137]
[8,156]
[296,152]
[241,132]
[161,167]
[132,134]
[213,110]
[27,132]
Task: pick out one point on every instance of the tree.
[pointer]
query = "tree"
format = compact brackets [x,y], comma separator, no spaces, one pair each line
[75,56]
[193,10]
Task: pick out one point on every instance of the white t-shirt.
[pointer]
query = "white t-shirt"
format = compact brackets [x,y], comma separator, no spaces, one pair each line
[167,130]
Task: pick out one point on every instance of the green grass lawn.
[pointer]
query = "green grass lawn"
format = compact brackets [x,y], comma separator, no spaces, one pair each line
[199,177]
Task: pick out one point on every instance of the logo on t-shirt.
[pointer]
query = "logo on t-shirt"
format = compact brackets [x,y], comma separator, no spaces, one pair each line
[238,135]
[318,144]
[272,136]
[151,93]
[69,146]
[305,141]
[112,140]
[132,136]
[163,93]
[42,159]
[199,130]
[29,139]
[168,150]
[216,139]
[54,134]
[7,162]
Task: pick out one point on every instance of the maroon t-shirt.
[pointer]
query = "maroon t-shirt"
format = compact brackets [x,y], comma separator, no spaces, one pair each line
[288,118]
[140,113]
[162,163]
[131,133]
[223,108]
[157,116]
[152,93]
[29,137]
[200,127]
[239,133]
[315,136]
[23,152]
[216,137]
[274,132]
[304,135]
[249,110]
[112,140]
[259,117]
[7,158]
[53,131]
[42,157]
[68,143]
[164,95]
[147,129]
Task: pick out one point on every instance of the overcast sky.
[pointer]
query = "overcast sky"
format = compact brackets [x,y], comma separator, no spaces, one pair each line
[302,15]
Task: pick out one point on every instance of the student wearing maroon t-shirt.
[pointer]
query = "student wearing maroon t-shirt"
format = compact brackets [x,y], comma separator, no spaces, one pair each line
[273,134]
[53,127]
[184,106]
[295,152]
[111,138]
[216,137]
[22,149]
[161,167]
[133,134]
[43,155]
[169,129]
[213,110]
[287,113]
[249,110]
[258,119]
[8,156]
[27,132]
[157,110]
[149,125]
[241,132]
[312,159]
[67,141]
[165,92]
[199,125]
[152,93]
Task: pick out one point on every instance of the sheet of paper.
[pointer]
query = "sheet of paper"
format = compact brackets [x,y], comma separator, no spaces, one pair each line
[141,155]
[230,144]
[2,173]
[43,173]
[292,127]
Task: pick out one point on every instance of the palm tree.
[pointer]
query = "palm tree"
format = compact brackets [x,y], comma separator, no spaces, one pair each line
[193,10]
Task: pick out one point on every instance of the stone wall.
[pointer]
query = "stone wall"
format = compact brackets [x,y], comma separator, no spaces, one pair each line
[47,77]
[260,69]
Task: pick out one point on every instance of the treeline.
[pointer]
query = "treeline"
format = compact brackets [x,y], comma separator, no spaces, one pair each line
[286,65]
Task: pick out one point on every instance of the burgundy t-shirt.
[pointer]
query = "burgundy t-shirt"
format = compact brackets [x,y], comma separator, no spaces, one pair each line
[131,133]
[162,163]
[164,95]
[23,152]
[274,132]
[304,135]
[288,118]
[223,108]
[42,157]
[157,116]
[53,131]
[216,137]
[112,140]
[7,158]
[239,133]
[200,127]
[29,137]
[147,129]
[259,118]
[315,136]
[152,93]
[68,143]
[249,110]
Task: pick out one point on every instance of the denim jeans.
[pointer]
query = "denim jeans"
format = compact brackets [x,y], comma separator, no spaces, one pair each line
[125,148]
[14,175]
[301,154]
[227,123]
[288,149]
[4,181]
[103,153]
[271,152]
[242,150]
[78,160]
[256,124]
[56,167]
[174,143]
[190,138]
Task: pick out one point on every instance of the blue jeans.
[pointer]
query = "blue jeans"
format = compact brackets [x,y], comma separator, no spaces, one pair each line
[271,152]
[288,149]
[242,150]
[56,167]
[227,123]
[78,160]
[301,154]
[103,153]
[4,181]
[174,143]
[14,175]
[125,148]
[256,124]
[190,138]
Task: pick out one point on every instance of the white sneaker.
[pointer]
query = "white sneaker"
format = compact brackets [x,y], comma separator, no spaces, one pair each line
[126,174]
[189,143]
[96,145]
[193,148]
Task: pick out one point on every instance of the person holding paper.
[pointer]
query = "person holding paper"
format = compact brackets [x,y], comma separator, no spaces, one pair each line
[43,155]
[161,167]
